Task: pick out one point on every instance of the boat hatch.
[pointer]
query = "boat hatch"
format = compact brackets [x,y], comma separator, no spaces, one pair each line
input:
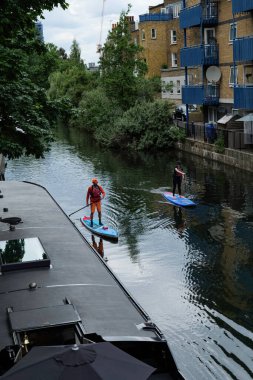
[51,325]
[24,320]
[19,254]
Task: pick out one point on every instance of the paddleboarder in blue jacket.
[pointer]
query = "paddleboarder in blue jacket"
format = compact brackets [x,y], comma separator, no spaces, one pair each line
[178,175]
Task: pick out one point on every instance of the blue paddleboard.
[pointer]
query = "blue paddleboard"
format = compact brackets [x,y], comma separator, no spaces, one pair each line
[103,231]
[177,201]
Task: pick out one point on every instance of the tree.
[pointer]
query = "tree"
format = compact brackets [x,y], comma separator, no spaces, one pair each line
[75,54]
[24,108]
[40,65]
[122,64]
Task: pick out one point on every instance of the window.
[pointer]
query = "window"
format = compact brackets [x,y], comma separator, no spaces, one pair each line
[233,75]
[25,253]
[163,86]
[178,87]
[248,75]
[209,35]
[232,32]
[176,9]
[173,36]
[174,59]
[212,114]
[171,87]
[153,34]
[143,34]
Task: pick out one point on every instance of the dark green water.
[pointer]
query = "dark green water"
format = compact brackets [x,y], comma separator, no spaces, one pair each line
[191,270]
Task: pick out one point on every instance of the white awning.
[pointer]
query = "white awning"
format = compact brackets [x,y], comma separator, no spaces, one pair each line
[225,119]
[248,117]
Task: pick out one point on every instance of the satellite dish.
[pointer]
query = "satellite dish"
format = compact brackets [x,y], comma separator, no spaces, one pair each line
[213,74]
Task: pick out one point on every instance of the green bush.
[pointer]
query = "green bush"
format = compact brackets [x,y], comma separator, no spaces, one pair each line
[219,144]
[96,113]
[146,126]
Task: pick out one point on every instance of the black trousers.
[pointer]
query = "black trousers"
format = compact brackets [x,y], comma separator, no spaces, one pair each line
[177,183]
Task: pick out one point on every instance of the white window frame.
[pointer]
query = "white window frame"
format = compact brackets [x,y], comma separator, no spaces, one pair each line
[167,94]
[205,35]
[231,76]
[153,34]
[232,26]
[173,37]
[173,59]
[176,9]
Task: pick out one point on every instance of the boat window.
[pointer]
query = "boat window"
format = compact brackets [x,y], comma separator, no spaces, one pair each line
[22,254]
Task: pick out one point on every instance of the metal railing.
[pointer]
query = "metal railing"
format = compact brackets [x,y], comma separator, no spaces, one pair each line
[230,138]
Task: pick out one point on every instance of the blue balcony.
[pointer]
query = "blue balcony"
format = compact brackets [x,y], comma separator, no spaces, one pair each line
[200,94]
[199,55]
[242,6]
[199,14]
[190,16]
[156,17]
[243,97]
[243,49]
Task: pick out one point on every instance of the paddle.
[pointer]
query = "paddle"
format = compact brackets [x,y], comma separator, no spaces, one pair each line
[83,207]
[79,209]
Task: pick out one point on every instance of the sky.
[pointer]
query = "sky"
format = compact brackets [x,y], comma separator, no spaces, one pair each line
[83,22]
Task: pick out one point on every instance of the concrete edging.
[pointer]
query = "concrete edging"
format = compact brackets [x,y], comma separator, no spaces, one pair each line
[233,157]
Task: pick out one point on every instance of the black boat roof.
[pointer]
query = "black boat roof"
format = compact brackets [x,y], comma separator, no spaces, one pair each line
[71,284]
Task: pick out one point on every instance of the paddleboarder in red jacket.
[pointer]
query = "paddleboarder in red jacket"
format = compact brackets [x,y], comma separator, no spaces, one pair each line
[94,195]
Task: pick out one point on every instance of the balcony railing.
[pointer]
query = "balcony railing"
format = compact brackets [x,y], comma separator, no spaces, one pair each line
[242,6]
[199,14]
[190,16]
[243,49]
[243,97]
[201,94]
[199,55]
[156,17]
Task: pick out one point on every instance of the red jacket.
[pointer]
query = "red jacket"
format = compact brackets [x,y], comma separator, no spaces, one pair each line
[94,193]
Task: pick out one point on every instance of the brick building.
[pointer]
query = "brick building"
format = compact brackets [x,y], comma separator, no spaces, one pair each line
[204,49]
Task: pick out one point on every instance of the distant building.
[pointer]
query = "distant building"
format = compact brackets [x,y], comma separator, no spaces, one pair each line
[92,66]
[204,50]
[158,32]
[39,28]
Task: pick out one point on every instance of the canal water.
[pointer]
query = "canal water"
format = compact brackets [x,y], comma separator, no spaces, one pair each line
[190,269]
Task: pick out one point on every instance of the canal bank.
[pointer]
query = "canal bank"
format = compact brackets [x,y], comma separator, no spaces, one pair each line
[236,158]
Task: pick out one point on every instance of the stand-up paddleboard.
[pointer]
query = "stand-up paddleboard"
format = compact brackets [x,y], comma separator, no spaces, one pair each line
[103,231]
[177,201]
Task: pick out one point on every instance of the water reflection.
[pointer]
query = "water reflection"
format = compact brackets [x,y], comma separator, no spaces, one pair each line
[12,251]
[191,269]
[99,246]
[180,222]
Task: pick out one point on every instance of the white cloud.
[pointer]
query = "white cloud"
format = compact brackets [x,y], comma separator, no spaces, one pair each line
[82,21]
